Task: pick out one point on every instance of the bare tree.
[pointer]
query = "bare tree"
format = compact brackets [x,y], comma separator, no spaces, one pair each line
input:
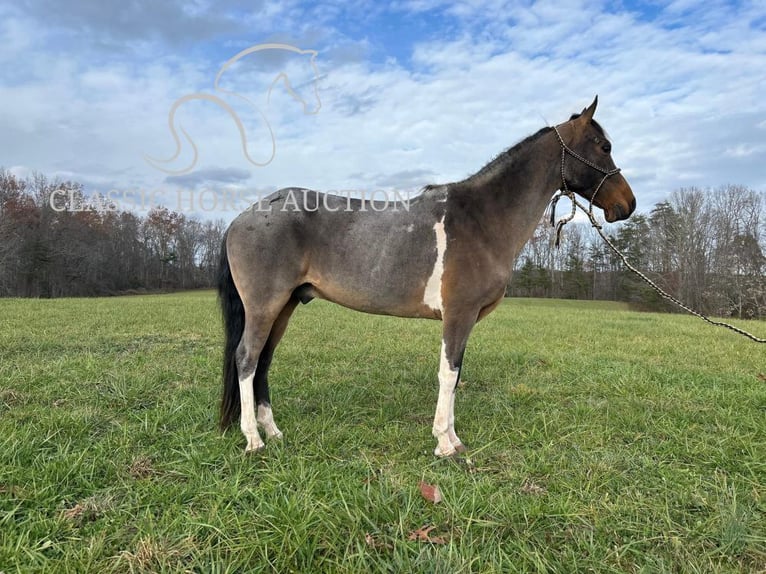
[56,241]
[704,246]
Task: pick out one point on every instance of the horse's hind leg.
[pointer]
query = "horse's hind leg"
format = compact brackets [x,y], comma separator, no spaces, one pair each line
[258,326]
[264,415]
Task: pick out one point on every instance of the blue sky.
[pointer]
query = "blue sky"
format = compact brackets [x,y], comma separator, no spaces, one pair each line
[411,92]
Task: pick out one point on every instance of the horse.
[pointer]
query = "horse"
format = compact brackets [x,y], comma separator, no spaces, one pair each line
[448,257]
[282,78]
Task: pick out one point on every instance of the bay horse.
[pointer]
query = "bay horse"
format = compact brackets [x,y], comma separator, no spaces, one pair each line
[448,257]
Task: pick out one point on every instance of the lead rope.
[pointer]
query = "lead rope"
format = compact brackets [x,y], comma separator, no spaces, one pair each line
[559,225]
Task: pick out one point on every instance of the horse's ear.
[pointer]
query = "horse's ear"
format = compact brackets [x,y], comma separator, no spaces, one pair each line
[587,113]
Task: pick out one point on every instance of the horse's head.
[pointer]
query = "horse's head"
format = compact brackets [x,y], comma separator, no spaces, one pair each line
[590,171]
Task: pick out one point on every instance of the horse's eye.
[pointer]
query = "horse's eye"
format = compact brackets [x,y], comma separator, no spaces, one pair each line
[607,147]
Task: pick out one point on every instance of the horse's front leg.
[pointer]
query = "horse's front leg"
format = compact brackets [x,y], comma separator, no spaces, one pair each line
[454,341]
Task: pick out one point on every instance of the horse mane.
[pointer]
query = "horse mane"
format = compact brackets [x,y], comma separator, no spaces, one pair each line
[506,156]
[503,158]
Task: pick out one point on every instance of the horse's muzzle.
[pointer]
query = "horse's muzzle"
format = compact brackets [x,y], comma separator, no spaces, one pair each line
[619,211]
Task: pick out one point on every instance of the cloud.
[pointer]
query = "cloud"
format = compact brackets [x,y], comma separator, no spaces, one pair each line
[403,180]
[352,105]
[102,23]
[209,176]
[87,89]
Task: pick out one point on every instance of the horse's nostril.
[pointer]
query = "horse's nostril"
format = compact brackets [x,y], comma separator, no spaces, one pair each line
[632,205]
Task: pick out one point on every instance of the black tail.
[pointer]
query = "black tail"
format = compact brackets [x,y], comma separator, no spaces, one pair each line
[234,324]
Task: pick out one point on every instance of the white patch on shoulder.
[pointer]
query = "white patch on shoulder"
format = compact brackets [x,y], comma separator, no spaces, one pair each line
[432,296]
[410,228]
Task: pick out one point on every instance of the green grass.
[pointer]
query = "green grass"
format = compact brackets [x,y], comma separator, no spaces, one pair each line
[603,440]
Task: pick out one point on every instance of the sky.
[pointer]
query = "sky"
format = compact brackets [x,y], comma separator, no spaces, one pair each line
[367,96]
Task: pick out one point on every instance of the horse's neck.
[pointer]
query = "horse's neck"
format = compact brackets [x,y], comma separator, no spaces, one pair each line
[512,197]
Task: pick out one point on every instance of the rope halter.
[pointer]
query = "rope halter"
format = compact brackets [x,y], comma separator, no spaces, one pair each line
[565,191]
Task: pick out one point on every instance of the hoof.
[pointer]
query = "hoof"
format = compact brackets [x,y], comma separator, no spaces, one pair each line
[444,455]
[455,450]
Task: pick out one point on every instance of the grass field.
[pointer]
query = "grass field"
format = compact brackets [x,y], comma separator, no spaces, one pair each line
[603,440]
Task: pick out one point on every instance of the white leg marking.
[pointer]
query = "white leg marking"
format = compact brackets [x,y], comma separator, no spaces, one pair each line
[432,296]
[444,419]
[247,416]
[453,438]
[266,420]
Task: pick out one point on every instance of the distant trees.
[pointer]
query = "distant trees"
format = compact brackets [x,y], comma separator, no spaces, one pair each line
[706,247]
[48,249]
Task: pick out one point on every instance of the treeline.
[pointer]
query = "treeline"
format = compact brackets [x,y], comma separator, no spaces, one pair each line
[704,246]
[50,250]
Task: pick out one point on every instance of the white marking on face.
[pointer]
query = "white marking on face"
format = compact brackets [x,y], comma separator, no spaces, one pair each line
[444,419]
[247,417]
[266,420]
[432,296]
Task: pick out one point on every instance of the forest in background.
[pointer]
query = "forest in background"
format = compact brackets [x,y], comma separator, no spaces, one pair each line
[704,246]
[47,252]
